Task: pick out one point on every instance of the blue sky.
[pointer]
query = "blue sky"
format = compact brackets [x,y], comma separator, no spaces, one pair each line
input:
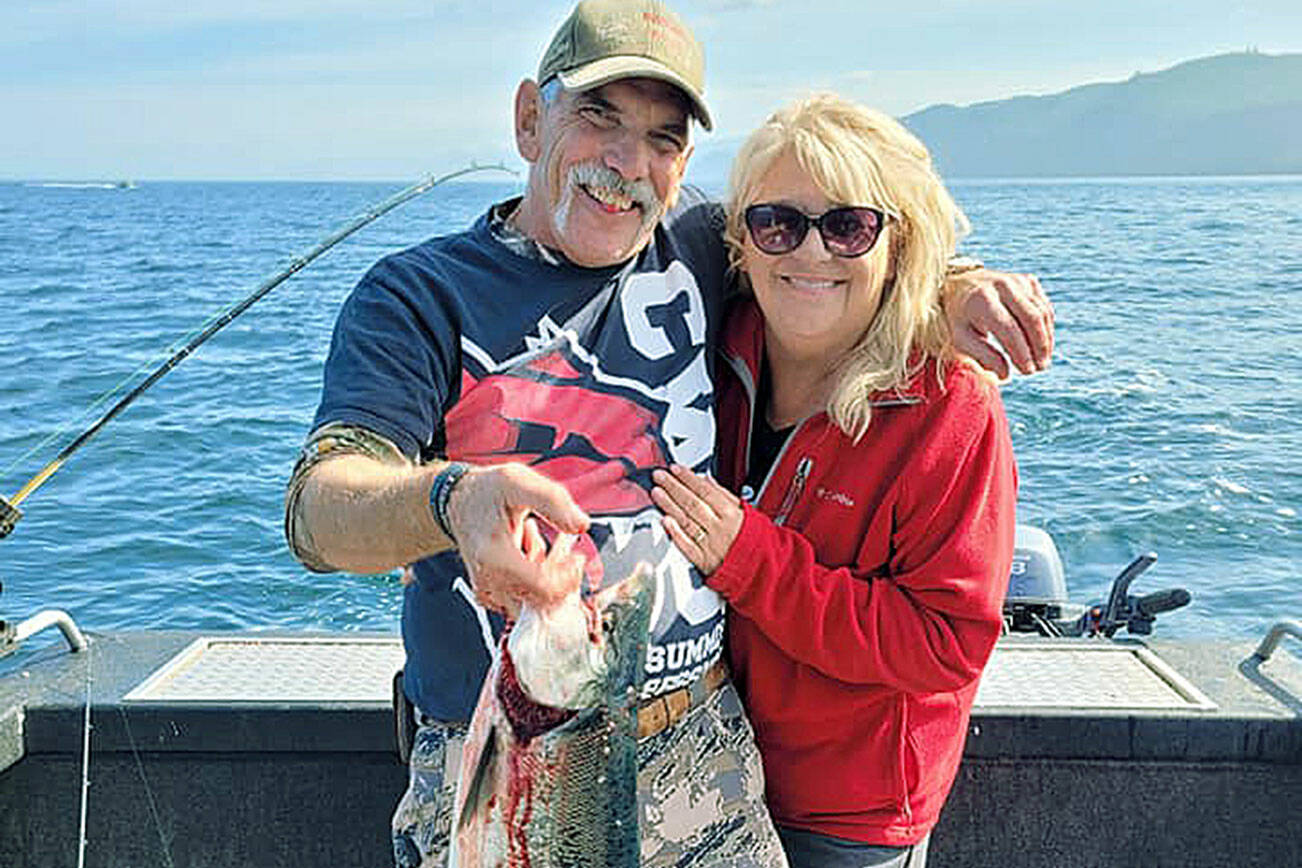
[394,89]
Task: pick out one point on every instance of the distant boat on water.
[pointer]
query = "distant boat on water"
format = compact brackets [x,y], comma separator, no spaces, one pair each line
[86,185]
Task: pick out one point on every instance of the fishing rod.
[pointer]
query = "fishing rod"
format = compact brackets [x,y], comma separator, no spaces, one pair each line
[9,511]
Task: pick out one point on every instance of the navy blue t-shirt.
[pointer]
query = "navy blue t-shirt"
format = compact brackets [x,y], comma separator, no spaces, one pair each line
[462,347]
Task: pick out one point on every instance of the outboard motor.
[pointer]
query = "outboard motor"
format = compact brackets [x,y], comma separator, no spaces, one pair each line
[1037,595]
[1037,588]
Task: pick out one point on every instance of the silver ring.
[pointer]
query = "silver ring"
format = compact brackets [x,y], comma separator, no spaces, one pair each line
[699,535]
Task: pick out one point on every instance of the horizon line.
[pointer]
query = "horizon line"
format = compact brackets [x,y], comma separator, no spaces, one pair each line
[116,183]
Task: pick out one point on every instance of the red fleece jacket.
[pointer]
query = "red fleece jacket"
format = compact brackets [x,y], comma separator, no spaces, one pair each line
[865,591]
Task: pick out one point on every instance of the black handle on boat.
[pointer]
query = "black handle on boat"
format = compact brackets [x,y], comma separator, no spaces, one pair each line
[1114,612]
[9,511]
[1162,601]
[1141,612]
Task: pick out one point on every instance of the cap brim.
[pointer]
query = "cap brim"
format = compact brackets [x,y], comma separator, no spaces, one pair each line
[610,69]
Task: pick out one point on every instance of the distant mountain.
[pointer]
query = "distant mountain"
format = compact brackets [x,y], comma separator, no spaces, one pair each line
[1231,114]
[1224,115]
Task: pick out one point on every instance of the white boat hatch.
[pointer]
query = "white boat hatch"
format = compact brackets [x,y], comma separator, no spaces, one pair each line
[216,669]
[1044,674]
[1066,675]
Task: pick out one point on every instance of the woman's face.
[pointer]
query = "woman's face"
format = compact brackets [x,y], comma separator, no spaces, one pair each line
[815,305]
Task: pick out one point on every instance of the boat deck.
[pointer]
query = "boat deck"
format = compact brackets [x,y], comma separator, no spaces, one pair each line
[275,749]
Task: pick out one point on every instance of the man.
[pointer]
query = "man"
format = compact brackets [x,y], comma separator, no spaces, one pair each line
[556,352]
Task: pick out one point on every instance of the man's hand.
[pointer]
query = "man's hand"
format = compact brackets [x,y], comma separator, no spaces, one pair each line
[493,513]
[992,310]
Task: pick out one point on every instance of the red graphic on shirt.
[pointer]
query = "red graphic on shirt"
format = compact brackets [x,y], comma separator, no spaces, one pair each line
[556,417]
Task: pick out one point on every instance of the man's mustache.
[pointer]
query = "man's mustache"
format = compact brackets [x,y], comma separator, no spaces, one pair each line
[597,175]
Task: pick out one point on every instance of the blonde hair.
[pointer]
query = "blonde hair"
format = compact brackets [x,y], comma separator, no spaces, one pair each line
[859,156]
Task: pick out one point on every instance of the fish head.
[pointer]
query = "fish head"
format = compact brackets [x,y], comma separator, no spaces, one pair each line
[566,656]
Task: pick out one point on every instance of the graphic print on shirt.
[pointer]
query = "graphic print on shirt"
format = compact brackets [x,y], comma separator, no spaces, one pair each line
[597,403]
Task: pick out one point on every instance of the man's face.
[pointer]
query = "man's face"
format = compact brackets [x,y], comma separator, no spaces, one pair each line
[606,164]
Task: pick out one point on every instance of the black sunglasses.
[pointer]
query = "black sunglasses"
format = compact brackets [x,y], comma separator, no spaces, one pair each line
[848,232]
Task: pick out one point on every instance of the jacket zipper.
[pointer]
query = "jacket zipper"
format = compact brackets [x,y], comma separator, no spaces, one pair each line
[795,489]
[803,469]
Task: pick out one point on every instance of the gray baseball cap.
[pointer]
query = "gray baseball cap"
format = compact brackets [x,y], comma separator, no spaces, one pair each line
[605,40]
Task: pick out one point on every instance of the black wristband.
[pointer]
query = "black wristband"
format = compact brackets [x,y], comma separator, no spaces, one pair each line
[441,492]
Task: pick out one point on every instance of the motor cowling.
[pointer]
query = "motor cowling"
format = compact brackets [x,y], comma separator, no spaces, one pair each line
[1037,584]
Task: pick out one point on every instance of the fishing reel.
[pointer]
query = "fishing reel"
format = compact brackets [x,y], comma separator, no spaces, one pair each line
[9,515]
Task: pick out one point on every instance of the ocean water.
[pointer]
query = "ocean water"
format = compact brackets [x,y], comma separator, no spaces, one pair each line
[1169,421]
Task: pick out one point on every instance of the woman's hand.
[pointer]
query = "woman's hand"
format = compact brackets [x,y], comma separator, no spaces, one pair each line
[701,516]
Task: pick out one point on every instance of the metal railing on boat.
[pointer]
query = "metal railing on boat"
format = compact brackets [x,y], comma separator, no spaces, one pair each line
[13,636]
[1276,635]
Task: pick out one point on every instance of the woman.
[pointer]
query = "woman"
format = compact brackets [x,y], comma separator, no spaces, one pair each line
[866,562]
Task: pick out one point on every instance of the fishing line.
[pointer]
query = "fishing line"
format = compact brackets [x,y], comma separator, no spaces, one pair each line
[85,772]
[89,410]
[9,512]
[86,412]
[149,791]
[85,762]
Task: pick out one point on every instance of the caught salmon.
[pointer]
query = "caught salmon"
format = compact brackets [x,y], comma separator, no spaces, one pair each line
[549,769]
